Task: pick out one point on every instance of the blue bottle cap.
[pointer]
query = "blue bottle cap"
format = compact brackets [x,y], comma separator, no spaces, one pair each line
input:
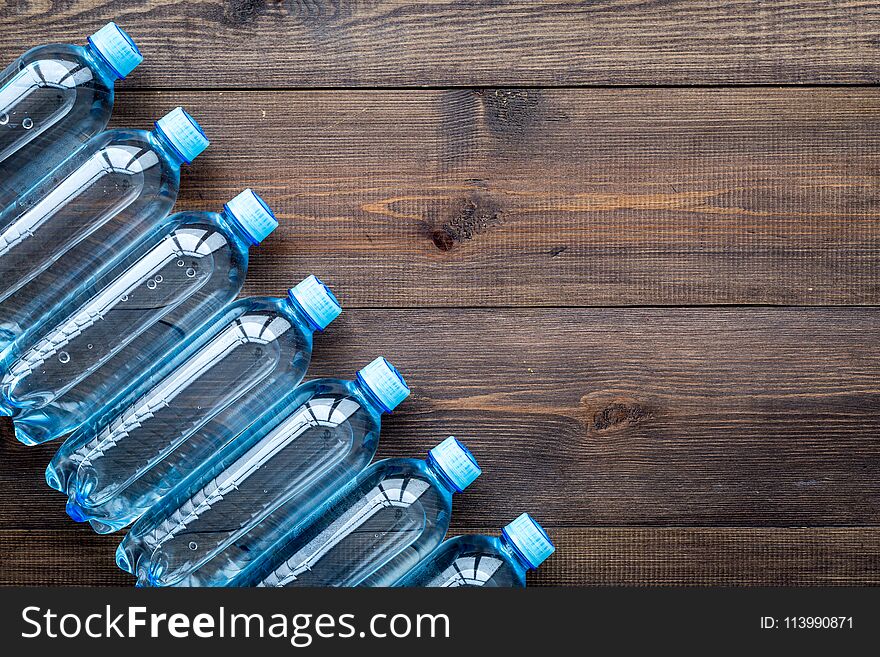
[456,462]
[117,49]
[184,133]
[252,214]
[384,381]
[316,300]
[529,539]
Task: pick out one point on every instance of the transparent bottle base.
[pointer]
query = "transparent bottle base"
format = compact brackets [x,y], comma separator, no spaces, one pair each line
[9,409]
[75,512]
[36,429]
[129,555]
[53,480]
[78,514]
[81,514]
[101,527]
[122,560]
[151,570]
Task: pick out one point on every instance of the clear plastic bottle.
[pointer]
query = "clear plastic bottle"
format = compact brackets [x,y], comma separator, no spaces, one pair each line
[201,395]
[216,522]
[96,204]
[475,560]
[377,528]
[52,99]
[62,371]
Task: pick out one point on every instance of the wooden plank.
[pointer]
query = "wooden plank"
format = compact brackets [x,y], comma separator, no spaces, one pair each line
[692,417]
[551,197]
[78,557]
[254,43]
[700,556]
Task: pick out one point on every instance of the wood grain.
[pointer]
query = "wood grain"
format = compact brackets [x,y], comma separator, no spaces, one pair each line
[511,247]
[748,417]
[287,43]
[551,197]
[670,556]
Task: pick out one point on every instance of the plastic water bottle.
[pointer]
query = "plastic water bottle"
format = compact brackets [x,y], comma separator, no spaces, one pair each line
[374,530]
[52,99]
[96,204]
[203,394]
[264,483]
[59,373]
[485,560]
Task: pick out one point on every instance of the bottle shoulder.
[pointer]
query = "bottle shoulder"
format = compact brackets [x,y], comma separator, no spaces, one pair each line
[129,149]
[66,65]
[124,151]
[76,55]
[334,400]
[335,389]
[263,320]
[50,51]
[204,232]
[469,560]
[276,307]
[467,545]
[409,481]
[60,51]
[258,306]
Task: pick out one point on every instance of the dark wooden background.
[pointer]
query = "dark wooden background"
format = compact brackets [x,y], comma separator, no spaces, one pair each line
[628,251]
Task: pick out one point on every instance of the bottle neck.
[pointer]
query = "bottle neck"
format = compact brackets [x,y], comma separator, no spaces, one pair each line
[234,227]
[301,315]
[515,554]
[168,149]
[374,402]
[441,476]
[100,64]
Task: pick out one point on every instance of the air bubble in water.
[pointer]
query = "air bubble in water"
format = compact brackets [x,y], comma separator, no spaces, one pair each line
[159,278]
[27,123]
[4,118]
[193,545]
[191,273]
[151,285]
[64,357]
[90,346]
[180,263]
[123,298]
